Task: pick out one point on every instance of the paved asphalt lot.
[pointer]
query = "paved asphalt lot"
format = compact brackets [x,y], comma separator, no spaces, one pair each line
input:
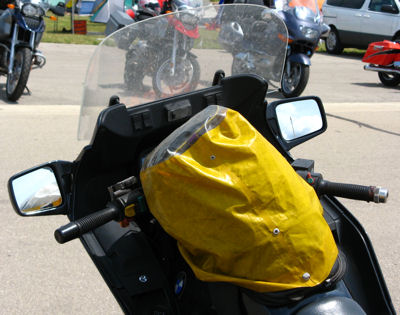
[39,276]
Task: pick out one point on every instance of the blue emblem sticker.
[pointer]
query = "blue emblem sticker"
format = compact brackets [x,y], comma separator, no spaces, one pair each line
[180,283]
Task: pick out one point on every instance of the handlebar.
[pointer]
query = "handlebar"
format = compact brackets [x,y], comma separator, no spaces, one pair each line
[83,225]
[358,192]
[350,191]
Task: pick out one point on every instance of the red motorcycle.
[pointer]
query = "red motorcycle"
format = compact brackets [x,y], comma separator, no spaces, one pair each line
[172,73]
[384,57]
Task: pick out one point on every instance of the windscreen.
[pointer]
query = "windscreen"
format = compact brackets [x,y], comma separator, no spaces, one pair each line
[180,52]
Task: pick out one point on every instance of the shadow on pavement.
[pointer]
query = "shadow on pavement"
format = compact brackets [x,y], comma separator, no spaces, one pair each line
[377,85]
[3,95]
[353,56]
[361,124]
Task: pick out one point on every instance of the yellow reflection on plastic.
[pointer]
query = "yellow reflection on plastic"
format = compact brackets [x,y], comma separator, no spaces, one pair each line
[240,213]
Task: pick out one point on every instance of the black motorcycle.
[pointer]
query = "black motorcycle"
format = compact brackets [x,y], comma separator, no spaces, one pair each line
[305,27]
[21,29]
[102,195]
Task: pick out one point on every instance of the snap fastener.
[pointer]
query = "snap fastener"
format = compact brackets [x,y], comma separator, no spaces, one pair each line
[306,276]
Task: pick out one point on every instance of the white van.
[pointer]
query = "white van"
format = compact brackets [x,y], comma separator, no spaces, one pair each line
[356,23]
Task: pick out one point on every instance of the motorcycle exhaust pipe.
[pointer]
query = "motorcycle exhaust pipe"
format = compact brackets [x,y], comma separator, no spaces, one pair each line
[380,69]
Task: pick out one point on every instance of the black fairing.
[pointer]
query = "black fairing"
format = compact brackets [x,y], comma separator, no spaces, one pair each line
[126,258]
[123,136]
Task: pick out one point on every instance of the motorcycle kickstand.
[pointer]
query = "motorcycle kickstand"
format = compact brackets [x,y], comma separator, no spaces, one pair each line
[28,90]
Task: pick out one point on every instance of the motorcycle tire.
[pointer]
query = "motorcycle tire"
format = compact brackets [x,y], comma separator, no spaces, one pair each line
[133,75]
[16,81]
[301,73]
[189,85]
[389,79]
[236,67]
[332,43]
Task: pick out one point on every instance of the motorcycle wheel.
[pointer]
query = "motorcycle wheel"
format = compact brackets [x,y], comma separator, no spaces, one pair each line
[237,67]
[389,79]
[332,43]
[185,79]
[293,84]
[16,81]
[133,75]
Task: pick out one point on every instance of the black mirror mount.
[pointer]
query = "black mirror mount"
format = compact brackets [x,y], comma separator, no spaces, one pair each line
[59,9]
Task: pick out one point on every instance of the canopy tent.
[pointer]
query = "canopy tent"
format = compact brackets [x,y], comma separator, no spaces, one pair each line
[102,9]
[54,2]
[82,7]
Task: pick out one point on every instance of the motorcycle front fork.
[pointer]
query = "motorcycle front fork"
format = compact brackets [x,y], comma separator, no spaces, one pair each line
[287,62]
[173,57]
[13,45]
[12,48]
[174,50]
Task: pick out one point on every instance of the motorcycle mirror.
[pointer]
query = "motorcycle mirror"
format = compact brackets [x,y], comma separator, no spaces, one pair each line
[296,120]
[37,191]
[59,9]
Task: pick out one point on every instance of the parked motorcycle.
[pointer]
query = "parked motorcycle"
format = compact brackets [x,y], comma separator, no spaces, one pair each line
[384,58]
[21,29]
[101,192]
[305,26]
[177,70]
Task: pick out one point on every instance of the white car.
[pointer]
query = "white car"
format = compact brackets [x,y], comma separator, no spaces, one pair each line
[356,23]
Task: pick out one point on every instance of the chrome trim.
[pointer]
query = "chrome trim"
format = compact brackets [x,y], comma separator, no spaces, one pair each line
[380,195]
[381,69]
[32,40]
[38,55]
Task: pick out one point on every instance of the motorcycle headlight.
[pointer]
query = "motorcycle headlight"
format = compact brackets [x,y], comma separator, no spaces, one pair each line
[31,10]
[189,19]
[309,32]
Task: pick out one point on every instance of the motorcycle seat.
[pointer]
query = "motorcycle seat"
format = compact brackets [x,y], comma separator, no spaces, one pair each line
[332,305]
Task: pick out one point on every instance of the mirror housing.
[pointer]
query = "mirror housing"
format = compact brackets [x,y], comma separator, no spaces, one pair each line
[41,190]
[296,120]
[388,8]
[59,9]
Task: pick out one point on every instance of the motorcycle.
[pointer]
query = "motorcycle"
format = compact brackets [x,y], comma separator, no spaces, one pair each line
[102,191]
[304,23]
[305,26]
[175,71]
[384,58]
[21,29]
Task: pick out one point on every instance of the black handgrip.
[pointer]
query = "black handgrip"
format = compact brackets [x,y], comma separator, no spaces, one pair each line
[358,192]
[76,228]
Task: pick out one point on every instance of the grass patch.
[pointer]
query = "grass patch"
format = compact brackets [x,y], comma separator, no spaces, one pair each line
[60,31]
[347,51]
[208,39]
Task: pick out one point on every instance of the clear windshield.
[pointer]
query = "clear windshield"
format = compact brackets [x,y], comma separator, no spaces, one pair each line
[184,4]
[180,52]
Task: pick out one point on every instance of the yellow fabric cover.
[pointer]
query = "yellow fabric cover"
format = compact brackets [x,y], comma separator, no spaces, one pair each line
[239,212]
